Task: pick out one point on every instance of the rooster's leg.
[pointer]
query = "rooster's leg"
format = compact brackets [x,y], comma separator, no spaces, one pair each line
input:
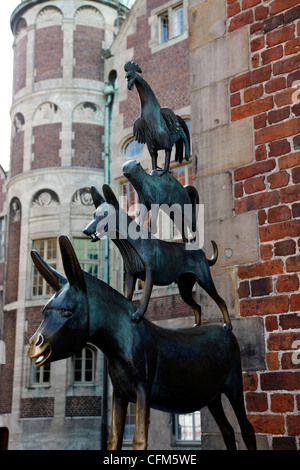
[154,160]
[167,161]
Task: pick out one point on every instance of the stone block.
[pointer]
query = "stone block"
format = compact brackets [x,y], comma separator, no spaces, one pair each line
[210,107]
[208,187]
[219,59]
[206,22]
[223,148]
[236,237]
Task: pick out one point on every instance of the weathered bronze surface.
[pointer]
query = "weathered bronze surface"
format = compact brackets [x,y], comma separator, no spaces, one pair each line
[159,128]
[173,370]
[164,191]
[155,261]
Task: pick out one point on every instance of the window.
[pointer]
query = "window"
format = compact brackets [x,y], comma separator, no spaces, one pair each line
[84,366]
[132,149]
[170,24]
[88,255]
[48,251]
[130,422]
[188,428]
[163,26]
[178,25]
[2,236]
[40,375]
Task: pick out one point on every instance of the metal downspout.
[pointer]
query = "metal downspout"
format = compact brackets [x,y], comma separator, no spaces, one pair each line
[109,93]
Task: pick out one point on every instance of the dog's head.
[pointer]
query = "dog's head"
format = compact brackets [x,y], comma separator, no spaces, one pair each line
[105,216]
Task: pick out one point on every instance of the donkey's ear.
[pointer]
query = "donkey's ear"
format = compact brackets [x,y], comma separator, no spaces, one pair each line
[96,196]
[71,264]
[54,279]
[110,196]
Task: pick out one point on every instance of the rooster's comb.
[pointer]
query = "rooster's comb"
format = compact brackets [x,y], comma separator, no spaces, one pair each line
[132,66]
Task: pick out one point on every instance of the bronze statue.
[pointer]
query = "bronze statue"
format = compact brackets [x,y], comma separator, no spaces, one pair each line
[166,193]
[157,262]
[159,128]
[173,370]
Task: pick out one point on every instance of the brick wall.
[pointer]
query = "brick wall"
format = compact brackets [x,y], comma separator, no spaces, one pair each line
[270,188]
[88,145]
[167,71]
[17,149]
[19,79]
[83,406]
[166,307]
[40,407]
[88,50]
[46,146]
[7,369]
[13,253]
[48,53]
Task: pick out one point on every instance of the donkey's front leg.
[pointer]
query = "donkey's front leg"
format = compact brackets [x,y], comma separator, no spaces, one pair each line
[149,281]
[119,410]
[140,438]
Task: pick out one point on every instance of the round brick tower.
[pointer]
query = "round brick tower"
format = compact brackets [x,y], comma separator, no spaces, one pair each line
[57,153]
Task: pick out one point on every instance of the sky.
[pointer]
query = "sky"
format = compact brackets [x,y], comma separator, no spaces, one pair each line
[6,39]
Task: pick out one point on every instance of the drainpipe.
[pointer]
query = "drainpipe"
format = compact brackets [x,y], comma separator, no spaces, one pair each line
[109,93]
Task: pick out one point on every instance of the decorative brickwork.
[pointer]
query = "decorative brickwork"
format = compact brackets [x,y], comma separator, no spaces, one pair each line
[46,146]
[83,406]
[20,64]
[48,53]
[88,145]
[269,186]
[88,53]
[42,407]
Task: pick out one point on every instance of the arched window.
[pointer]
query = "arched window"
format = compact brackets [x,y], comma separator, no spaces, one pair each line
[84,366]
[132,148]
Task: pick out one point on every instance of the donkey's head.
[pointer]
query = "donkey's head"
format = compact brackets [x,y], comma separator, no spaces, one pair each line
[65,327]
[105,218]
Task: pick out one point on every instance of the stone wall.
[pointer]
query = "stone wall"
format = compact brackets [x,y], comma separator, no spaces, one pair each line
[244,84]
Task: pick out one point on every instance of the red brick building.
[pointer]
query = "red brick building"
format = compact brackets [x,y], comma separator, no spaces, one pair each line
[231,68]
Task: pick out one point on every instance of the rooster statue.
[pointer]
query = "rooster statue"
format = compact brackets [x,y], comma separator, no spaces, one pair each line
[158,127]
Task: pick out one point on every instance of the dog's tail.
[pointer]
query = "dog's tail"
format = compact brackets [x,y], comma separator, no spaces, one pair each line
[213,259]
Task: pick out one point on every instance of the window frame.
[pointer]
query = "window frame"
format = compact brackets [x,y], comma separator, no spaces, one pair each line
[168,11]
[47,291]
[37,375]
[194,442]
[83,370]
[85,262]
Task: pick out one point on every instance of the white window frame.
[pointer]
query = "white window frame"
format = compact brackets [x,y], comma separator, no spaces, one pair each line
[46,289]
[83,369]
[194,439]
[37,375]
[169,10]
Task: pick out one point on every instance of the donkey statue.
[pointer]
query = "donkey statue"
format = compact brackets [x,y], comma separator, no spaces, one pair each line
[173,370]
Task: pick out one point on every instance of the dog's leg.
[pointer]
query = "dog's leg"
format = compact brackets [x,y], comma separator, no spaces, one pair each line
[140,437]
[185,285]
[205,280]
[149,281]
[130,285]
[119,409]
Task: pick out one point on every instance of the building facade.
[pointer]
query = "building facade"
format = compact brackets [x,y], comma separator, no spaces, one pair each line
[230,69]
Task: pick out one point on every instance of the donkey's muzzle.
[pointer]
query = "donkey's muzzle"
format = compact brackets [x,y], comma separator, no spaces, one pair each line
[39,349]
